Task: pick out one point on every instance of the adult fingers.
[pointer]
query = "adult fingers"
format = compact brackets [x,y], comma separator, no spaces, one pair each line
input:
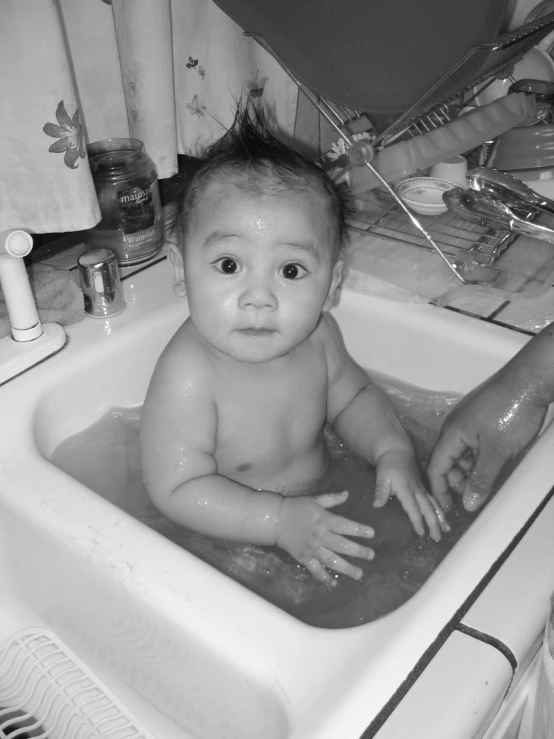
[440,514]
[457,479]
[466,463]
[383,491]
[448,450]
[481,479]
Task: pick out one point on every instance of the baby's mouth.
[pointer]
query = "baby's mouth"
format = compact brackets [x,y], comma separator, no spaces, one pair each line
[255,332]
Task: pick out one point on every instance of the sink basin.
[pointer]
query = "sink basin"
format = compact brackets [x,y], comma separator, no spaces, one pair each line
[189,650]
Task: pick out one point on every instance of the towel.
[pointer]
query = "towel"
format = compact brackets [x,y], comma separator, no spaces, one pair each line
[58,296]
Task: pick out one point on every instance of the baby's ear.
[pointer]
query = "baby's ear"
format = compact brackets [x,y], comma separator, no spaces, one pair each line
[175,257]
[336,280]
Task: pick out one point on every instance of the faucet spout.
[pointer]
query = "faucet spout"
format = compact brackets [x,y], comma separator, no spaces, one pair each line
[30,342]
[20,302]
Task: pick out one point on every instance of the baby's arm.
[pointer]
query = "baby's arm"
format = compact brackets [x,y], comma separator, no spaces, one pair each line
[178,437]
[364,418]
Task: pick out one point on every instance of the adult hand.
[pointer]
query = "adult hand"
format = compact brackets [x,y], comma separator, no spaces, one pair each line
[489,427]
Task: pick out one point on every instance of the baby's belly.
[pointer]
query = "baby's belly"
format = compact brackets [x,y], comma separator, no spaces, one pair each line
[296,474]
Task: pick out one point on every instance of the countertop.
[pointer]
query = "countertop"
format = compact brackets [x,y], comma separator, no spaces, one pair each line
[407,273]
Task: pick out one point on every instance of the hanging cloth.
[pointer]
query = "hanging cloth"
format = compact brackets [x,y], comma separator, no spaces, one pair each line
[167,72]
[45,181]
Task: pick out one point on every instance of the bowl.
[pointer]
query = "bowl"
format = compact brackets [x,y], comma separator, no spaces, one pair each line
[539,180]
[424,194]
[524,147]
[536,64]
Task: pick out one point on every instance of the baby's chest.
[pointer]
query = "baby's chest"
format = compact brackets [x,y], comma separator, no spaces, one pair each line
[288,410]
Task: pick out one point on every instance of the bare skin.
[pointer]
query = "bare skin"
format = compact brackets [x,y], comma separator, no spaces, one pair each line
[231,437]
[493,424]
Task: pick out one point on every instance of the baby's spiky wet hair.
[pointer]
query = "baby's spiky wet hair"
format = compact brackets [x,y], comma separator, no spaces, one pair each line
[251,157]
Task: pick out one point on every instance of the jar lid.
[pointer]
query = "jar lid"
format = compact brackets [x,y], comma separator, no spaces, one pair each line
[114,155]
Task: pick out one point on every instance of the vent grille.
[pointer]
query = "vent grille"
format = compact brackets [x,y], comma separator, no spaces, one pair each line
[47,693]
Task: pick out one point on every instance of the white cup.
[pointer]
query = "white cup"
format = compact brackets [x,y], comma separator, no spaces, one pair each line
[452,170]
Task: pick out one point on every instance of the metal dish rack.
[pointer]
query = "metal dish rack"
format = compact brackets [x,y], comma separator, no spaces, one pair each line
[458,239]
[384,214]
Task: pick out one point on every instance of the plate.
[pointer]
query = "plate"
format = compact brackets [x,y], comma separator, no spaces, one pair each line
[374,56]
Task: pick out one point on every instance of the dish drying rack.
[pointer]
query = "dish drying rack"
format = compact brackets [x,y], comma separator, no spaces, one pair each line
[383,212]
[458,239]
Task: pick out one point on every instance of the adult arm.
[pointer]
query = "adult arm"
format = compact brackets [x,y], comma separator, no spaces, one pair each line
[493,424]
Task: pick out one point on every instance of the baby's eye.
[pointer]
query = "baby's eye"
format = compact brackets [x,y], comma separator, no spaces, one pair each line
[293,271]
[227,265]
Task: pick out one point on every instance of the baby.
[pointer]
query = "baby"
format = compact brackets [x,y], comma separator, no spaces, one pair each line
[231,431]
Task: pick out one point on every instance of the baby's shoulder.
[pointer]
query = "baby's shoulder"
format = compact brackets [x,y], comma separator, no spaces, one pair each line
[330,336]
[328,333]
[184,359]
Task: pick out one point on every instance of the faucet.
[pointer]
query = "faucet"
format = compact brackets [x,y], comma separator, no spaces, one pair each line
[30,341]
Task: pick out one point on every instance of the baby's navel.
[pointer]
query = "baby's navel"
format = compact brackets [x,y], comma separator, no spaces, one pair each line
[244,467]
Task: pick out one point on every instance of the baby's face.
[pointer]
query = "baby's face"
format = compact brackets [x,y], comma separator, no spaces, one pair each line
[259,269]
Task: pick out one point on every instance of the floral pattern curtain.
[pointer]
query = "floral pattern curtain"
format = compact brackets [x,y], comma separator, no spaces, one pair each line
[167,72]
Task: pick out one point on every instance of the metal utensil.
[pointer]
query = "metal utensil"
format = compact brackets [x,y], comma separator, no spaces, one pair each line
[481,208]
[510,190]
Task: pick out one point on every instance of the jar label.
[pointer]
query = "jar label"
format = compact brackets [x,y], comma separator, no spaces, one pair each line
[136,208]
[139,212]
[143,241]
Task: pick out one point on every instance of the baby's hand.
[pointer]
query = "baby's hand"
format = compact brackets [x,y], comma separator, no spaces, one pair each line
[314,537]
[398,474]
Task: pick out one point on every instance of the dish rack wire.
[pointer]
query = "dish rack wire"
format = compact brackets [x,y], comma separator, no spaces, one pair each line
[447,235]
[457,238]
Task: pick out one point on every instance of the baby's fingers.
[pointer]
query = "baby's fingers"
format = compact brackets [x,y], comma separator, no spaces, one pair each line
[340,544]
[329,500]
[416,514]
[318,572]
[334,562]
[346,527]
[426,507]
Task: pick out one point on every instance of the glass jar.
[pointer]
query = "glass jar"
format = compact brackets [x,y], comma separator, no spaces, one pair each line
[126,183]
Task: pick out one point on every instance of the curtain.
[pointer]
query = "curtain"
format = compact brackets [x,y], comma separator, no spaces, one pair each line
[167,72]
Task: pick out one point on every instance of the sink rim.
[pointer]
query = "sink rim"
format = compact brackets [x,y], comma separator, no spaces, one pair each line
[68,509]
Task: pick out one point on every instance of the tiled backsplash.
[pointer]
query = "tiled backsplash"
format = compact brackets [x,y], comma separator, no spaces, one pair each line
[420,275]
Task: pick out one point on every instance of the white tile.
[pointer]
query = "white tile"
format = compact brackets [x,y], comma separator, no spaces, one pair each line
[476,304]
[532,314]
[515,604]
[456,696]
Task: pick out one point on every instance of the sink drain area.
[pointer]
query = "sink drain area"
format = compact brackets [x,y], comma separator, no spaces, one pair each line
[46,692]
[19,724]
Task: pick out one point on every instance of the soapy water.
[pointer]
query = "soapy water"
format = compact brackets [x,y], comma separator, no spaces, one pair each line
[106,458]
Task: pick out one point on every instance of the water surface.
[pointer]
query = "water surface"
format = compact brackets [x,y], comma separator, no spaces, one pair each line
[105,458]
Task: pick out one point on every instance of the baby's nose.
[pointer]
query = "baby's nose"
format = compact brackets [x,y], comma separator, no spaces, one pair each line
[258,295]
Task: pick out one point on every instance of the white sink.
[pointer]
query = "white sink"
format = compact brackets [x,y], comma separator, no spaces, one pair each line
[187,649]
